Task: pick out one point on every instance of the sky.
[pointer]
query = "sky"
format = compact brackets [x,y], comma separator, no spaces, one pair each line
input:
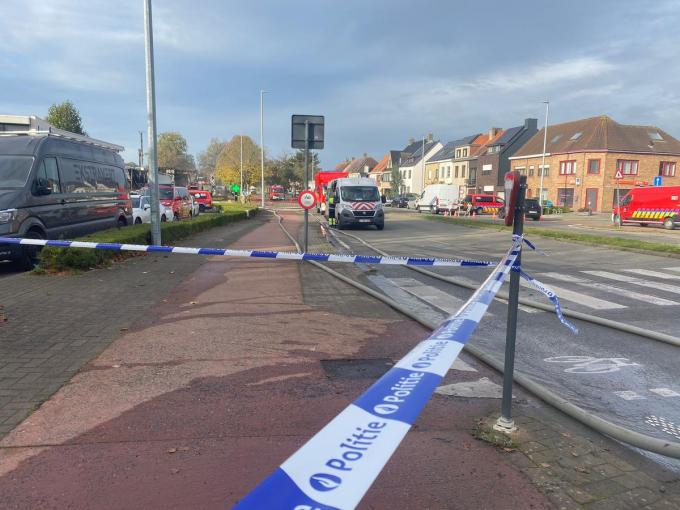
[380,71]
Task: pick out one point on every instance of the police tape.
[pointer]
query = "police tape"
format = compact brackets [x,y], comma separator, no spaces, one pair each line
[279,255]
[336,467]
[550,294]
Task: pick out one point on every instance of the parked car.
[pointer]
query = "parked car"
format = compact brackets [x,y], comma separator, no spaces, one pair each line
[141,210]
[178,199]
[412,200]
[400,201]
[204,198]
[58,186]
[195,206]
[532,209]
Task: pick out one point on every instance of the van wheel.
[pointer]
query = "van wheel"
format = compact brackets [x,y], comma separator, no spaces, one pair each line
[138,221]
[31,254]
[163,218]
[479,211]
[668,224]
[380,226]
[122,222]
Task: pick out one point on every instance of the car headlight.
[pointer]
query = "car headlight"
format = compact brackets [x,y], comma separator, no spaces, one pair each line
[378,206]
[7,215]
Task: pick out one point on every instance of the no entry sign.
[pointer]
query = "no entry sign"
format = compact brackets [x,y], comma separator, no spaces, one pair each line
[307,199]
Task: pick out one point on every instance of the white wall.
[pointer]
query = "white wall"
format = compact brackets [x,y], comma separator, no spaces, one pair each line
[419,169]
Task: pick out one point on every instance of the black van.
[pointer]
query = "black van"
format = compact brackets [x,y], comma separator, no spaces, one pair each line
[54,187]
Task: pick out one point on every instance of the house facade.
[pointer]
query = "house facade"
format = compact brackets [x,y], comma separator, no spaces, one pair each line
[583,158]
[494,161]
[360,167]
[412,166]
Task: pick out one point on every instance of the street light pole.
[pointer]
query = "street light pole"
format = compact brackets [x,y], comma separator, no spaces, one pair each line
[262,93]
[141,150]
[241,189]
[422,181]
[545,139]
[151,125]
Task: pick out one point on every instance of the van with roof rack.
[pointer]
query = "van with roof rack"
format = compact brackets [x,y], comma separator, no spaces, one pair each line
[55,184]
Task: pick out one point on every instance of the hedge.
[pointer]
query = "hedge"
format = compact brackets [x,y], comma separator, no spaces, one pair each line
[63,259]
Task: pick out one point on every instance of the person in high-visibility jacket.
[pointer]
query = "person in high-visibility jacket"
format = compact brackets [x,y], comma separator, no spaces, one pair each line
[331,210]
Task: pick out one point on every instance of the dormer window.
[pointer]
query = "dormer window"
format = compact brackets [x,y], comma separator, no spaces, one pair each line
[576,136]
[555,138]
[654,135]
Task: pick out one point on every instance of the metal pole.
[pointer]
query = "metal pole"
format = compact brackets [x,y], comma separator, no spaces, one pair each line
[151,126]
[422,182]
[545,139]
[141,150]
[306,181]
[262,93]
[505,422]
[241,138]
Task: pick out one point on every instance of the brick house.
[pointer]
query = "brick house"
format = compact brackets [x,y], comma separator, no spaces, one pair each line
[582,158]
[494,162]
[360,167]
[382,174]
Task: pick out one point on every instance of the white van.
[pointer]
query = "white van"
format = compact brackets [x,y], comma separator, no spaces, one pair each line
[357,202]
[437,197]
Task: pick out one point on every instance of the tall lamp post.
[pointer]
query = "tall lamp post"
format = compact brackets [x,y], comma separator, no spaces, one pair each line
[262,93]
[545,139]
[151,126]
[241,189]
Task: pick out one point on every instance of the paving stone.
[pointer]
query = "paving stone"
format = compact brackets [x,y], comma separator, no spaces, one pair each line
[603,489]
[579,495]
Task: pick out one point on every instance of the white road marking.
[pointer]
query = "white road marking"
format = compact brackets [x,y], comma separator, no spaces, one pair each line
[665,392]
[666,425]
[483,388]
[460,365]
[646,298]
[404,298]
[524,308]
[431,295]
[635,281]
[629,395]
[654,274]
[581,299]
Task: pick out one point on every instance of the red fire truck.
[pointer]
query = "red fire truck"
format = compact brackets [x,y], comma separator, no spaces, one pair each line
[321,180]
[658,204]
[277,192]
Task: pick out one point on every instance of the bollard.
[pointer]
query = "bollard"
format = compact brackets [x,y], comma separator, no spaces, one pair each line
[505,423]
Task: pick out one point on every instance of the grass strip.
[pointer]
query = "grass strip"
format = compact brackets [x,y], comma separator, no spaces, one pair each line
[621,243]
[54,259]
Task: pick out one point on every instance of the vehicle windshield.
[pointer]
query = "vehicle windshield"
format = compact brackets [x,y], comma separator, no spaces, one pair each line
[14,171]
[359,194]
[165,193]
[532,203]
[626,200]
[135,202]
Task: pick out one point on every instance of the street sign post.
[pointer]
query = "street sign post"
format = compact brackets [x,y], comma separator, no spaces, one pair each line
[618,176]
[307,200]
[516,185]
[307,132]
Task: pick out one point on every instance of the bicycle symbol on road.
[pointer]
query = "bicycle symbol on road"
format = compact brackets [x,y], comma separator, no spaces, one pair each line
[591,365]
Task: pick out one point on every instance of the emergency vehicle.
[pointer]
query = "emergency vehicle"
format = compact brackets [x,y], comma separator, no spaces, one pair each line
[658,204]
[321,180]
[357,202]
[277,192]
[484,204]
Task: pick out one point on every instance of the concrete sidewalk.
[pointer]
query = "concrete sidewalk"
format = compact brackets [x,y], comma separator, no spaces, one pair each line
[244,361]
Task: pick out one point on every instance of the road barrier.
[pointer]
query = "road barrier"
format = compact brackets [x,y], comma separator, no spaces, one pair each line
[280,255]
[335,468]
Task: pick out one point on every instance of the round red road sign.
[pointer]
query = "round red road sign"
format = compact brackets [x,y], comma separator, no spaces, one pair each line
[307,199]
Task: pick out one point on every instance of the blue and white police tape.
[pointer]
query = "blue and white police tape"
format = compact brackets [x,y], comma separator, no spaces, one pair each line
[336,467]
[280,255]
[543,288]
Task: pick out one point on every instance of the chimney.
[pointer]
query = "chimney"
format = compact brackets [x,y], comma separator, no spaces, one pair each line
[430,137]
[531,124]
[365,154]
[494,131]
[411,140]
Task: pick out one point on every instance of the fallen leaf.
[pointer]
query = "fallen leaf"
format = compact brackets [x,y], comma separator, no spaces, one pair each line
[545,465]
[172,450]
[193,302]
[124,329]
[566,434]
[509,450]
[581,469]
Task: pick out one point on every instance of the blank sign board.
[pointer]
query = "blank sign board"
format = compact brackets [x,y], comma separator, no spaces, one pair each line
[315,125]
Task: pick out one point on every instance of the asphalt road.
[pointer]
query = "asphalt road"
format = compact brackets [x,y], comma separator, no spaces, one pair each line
[623,378]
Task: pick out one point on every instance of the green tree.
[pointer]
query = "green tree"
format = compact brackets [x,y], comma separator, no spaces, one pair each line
[397,181]
[66,116]
[172,152]
[228,165]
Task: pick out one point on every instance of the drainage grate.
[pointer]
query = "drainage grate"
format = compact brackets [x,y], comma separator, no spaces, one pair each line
[356,368]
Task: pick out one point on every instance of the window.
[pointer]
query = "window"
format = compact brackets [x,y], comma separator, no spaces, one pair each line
[667,168]
[593,166]
[457,153]
[462,172]
[576,136]
[429,174]
[531,171]
[654,135]
[448,171]
[521,169]
[565,197]
[568,167]
[627,166]
[555,138]
[409,174]
[465,152]
[486,169]
[48,171]
[87,177]
[544,170]
[455,172]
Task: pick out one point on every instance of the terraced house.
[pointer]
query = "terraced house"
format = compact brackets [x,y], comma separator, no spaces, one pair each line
[412,164]
[439,167]
[583,157]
